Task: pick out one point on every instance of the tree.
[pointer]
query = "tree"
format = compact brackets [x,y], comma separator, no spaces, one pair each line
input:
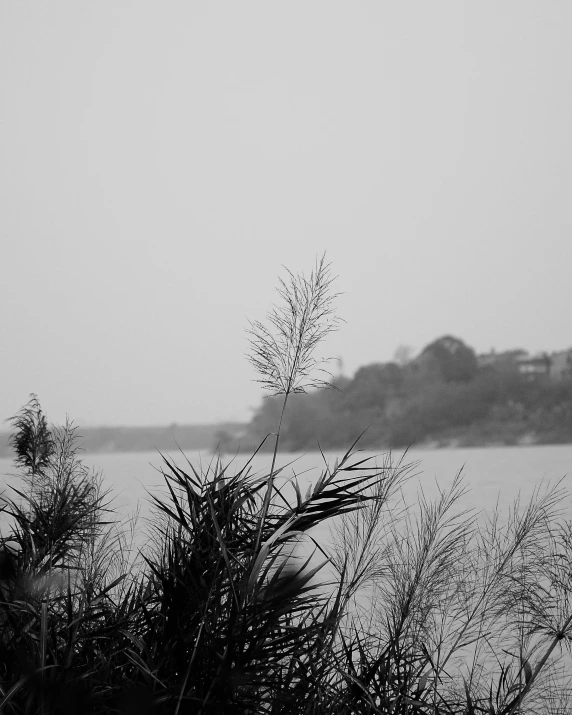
[451,358]
[373,384]
[403,355]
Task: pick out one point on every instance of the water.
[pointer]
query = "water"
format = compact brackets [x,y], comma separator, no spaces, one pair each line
[489,473]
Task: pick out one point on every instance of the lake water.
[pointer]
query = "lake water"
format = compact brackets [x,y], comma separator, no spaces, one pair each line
[490,473]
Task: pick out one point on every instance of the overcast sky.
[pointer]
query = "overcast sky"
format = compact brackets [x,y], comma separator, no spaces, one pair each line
[161,161]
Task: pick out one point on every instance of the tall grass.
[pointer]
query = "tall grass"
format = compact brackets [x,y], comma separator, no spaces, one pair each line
[233,607]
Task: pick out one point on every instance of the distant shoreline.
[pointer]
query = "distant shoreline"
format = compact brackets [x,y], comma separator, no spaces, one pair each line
[229,437]
[112,440]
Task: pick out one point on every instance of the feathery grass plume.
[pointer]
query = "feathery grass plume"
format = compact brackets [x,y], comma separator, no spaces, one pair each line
[282,351]
[57,619]
[62,510]
[463,617]
[32,440]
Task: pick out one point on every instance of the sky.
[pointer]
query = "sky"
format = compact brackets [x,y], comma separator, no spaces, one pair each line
[162,162]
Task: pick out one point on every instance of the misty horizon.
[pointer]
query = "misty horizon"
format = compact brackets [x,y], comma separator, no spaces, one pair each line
[161,164]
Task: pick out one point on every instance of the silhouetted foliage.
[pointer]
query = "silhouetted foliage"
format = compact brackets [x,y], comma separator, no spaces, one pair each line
[31,439]
[451,358]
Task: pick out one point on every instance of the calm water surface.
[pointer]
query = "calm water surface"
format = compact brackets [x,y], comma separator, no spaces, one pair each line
[489,473]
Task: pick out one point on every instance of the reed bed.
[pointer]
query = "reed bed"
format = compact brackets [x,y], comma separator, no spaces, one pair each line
[407,608]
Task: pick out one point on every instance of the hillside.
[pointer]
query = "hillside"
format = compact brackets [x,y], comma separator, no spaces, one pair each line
[447,396]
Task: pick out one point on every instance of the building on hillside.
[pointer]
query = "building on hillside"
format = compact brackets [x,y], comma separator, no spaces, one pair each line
[557,366]
[487,359]
[503,361]
[534,367]
[561,365]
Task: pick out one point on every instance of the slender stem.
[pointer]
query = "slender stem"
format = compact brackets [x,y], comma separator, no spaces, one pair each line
[274,455]
[268,495]
[475,611]
[43,647]
[541,663]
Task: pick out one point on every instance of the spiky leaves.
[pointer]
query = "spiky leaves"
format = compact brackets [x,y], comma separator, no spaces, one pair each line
[58,623]
[235,623]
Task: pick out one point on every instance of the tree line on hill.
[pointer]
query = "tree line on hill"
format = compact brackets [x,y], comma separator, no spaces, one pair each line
[443,396]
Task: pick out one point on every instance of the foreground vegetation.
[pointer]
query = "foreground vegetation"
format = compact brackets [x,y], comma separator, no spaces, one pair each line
[232,607]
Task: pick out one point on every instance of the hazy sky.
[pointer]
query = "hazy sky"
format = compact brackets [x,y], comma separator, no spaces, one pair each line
[161,161]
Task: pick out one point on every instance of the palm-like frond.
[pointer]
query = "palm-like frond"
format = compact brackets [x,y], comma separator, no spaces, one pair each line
[250,609]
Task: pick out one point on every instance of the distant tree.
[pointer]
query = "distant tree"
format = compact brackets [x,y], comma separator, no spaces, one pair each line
[373,384]
[451,358]
[403,355]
